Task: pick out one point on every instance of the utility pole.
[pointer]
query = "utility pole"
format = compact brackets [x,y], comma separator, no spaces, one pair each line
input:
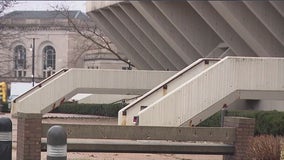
[33,63]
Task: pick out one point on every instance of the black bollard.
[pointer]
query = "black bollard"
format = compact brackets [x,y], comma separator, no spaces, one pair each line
[56,143]
[5,138]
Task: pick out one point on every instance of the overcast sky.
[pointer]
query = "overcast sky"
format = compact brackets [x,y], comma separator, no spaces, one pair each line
[46,5]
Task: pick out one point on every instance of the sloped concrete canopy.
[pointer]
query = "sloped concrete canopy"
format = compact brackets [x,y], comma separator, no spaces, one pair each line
[184,31]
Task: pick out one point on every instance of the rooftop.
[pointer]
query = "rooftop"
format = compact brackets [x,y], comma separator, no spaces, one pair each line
[76,14]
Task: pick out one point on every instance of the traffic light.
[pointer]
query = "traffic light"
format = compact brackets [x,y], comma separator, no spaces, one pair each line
[3,91]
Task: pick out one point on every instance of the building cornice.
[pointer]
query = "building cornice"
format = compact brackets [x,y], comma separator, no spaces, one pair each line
[35,27]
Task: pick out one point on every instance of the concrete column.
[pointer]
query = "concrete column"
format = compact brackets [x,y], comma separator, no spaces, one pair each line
[131,39]
[270,18]
[142,38]
[190,25]
[111,32]
[244,130]
[222,28]
[279,6]
[167,30]
[153,35]
[29,136]
[249,27]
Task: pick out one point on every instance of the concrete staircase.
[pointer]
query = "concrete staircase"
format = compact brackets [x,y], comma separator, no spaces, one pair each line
[221,84]
[126,115]
[60,87]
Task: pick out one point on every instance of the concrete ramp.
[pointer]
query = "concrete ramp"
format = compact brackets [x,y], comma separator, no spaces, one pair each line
[63,85]
[228,80]
[125,115]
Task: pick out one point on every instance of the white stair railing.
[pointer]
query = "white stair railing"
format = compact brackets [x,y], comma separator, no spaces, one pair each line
[230,79]
[126,115]
[53,92]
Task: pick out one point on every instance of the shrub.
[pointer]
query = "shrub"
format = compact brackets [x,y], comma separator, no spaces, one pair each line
[264,147]
[110,110]
[267,122]
[213,121]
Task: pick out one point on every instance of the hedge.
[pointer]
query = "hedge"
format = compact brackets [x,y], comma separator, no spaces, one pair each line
[110,110]
[267,122]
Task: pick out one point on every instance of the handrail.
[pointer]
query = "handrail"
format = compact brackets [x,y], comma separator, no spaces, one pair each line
[41,83]
[223,83]
[66,85]
[177,75]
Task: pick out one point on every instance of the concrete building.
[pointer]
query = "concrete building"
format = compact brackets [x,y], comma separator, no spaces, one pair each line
[57,46]
[163,35]
[170,35]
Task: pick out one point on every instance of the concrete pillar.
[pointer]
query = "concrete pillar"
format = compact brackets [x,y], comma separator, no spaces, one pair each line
[245,23]
[131,39]
[121,44]
[142,38]
[244,130]
[278,5]
[222,28]
[29,136]
[153,35]
[269,16]
[190,25]
[167,30]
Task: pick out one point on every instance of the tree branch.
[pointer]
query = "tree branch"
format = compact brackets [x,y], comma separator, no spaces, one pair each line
[90,32]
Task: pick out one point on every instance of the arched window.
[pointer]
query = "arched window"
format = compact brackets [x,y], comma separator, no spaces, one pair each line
[20,61]
[48,61]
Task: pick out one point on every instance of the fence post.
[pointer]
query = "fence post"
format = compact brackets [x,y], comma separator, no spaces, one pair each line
[5,138]
[56,143]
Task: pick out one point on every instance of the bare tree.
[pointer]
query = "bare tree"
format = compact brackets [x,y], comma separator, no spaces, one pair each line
[6,36]
[4,4]
[91,32]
